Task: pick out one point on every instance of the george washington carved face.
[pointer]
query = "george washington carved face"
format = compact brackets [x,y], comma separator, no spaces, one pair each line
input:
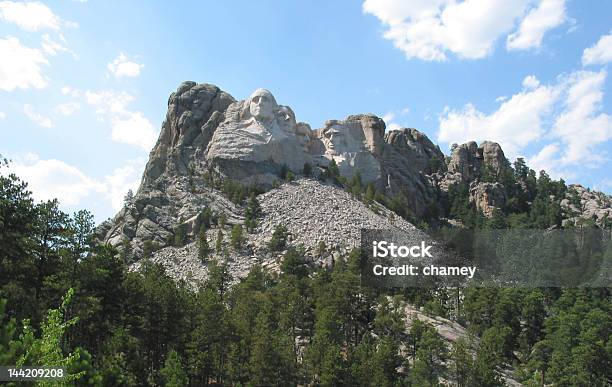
[262,105]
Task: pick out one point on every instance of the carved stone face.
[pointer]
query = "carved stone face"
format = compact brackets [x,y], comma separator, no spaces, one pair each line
[262,105]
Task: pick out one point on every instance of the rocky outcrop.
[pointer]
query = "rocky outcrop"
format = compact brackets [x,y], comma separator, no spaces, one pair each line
[194,112]
[582,204]
[487,197]
[207,135]
[414,148]
[471,161]
[469,164]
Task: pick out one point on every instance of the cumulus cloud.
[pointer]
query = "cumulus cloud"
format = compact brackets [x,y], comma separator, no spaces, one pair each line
[600,53]
[581,126]
[547,159]
[134,129]
[540,19]
[30,16]
[517,122]
[2,115]
[121,180]
[430,30]
[36,117]
[123,67]
[128,127]
[530,82]
[566,114]
[51,178]
[21,67]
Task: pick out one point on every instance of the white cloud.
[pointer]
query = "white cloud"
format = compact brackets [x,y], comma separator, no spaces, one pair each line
[20,66]
[37,118]
[582,126]
[123,67]
[517,122]
[134,129]
[30,16]
[389,123]
[123,179]
[52,47]
[430,30]
[540,19]
[531,82]
[67,90]
[50,179]
[600,53]
[68,108]
[55,179]
[566,115]
[128,127]
[2,115]
[108,102]
[547,159]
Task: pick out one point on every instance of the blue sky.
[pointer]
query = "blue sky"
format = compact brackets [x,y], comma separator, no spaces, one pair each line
[84,84]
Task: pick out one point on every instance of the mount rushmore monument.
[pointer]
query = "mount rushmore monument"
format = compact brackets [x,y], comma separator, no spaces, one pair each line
[207,132]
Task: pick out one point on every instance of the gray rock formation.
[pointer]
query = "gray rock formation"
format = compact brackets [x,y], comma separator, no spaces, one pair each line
[354,144]
[207,135]
[471,161]
[469,164]
[206,131]
[256,139]
[487,197]
[582,204]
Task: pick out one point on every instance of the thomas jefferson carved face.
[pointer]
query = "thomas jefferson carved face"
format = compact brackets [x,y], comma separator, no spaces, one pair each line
[262,105]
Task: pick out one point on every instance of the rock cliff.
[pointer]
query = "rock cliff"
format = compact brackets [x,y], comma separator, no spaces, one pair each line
[208,135]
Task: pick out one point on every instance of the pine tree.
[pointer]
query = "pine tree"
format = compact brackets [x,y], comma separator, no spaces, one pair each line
[236,237]
[253,211]
[180,236]
[430,356]
[289,177]
[173,372]
[333,172]
[490,357]
[219,242]
[278,241]
[203,247]
[461,366]
[128,198]
[370,193]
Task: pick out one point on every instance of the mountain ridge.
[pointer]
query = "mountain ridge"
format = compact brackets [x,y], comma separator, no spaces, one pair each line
[208,139]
